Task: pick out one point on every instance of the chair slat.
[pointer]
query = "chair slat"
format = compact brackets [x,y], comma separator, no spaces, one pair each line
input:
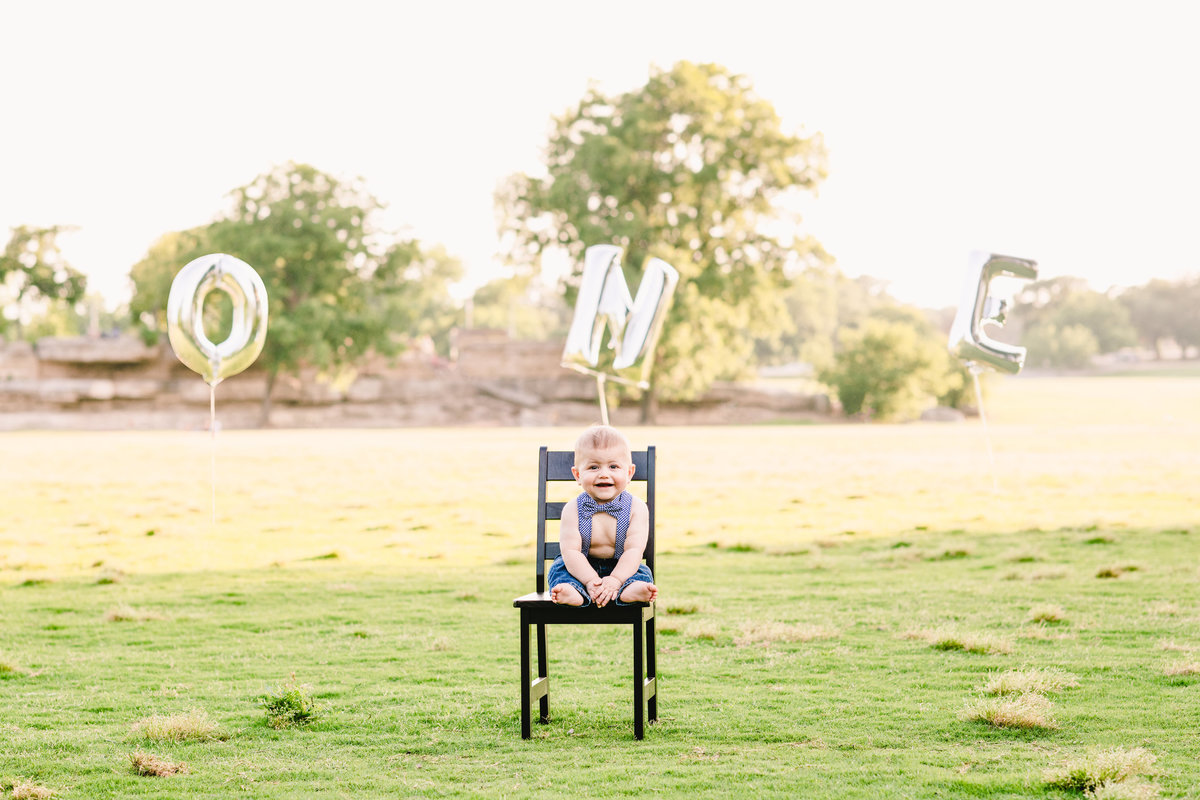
[559,463]
[554,510]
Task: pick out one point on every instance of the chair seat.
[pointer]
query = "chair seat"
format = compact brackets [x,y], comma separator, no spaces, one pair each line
[611,613]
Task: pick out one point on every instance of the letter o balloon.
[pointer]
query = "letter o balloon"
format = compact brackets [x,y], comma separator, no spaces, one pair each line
[185,316]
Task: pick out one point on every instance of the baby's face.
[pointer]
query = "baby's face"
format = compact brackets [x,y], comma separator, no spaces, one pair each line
[603,473]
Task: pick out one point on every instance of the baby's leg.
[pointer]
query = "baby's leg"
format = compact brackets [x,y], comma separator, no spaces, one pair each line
[639,592]
[566,594]
[565,589]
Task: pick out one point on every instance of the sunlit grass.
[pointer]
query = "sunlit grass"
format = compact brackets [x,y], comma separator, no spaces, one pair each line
[133,502]
[765,633]
[792,559]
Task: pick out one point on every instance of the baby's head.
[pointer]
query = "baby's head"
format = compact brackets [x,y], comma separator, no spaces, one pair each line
[603,462]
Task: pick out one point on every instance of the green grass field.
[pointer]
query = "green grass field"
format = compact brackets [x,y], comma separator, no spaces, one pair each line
[838,605]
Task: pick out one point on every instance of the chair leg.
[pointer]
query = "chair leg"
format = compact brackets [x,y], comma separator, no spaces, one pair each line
[651,671]
[639,726]
[526,732]
[543,673]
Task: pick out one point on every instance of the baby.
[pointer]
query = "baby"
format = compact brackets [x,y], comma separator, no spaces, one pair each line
[604,531]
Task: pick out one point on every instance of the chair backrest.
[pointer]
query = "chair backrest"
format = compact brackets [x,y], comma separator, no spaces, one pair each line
[555,465]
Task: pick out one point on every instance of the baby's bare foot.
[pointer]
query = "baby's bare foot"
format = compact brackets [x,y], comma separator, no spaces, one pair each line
[639,592]
[566,594]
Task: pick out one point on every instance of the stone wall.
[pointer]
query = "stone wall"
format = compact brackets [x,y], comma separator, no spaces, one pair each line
[122,384]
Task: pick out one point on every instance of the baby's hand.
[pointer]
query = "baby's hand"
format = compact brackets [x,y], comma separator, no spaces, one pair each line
[594,587]
[608,591]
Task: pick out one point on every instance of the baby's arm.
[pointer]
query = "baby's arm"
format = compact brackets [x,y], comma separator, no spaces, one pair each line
[635,546]
[570,542]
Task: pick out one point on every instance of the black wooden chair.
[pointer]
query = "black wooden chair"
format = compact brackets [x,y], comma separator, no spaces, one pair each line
[538,610]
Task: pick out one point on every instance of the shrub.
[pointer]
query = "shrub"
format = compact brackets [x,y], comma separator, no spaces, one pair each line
[289,705]
[890,370]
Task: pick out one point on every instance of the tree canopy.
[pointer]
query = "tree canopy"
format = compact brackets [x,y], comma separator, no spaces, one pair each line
[693,168]
[1065,322]
[1162,310]
[32,267]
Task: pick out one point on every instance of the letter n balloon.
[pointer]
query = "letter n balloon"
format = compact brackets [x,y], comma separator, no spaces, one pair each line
[634,324]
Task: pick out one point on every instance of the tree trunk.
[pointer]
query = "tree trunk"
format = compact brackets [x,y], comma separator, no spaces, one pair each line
[649,406]
[264,420]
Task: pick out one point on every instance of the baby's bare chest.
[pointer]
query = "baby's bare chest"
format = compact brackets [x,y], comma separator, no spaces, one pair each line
[604,536]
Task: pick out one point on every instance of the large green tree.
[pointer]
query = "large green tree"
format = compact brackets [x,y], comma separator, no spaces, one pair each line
[821,301]
[1066,307]
[32,267]
[1164,310]
[523,307]
[337,287]
[694,168]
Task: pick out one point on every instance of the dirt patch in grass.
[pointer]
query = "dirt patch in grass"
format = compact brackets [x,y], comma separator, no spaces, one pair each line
[27,790]
[150,765]
[1053,614]
[190,726]
[1035,681]
[1182,668]
[1089,772]
[127,613]
[968,642]
[1022,711]
[1134,789]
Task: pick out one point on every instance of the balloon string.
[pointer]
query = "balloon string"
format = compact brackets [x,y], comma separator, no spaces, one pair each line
[212,427]
[600,379]
[987,434]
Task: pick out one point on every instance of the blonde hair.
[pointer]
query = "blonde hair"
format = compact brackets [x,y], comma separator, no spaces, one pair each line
[601,437]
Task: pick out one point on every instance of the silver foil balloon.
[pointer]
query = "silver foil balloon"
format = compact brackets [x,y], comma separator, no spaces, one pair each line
[634,324]
[185,316]
[980,307]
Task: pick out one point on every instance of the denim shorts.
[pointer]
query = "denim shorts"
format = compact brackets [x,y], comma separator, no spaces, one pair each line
[604,567]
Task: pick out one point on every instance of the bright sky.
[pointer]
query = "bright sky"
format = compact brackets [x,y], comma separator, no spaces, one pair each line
[1067,132]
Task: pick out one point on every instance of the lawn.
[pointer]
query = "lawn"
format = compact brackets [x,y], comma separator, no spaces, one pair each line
[838,605]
